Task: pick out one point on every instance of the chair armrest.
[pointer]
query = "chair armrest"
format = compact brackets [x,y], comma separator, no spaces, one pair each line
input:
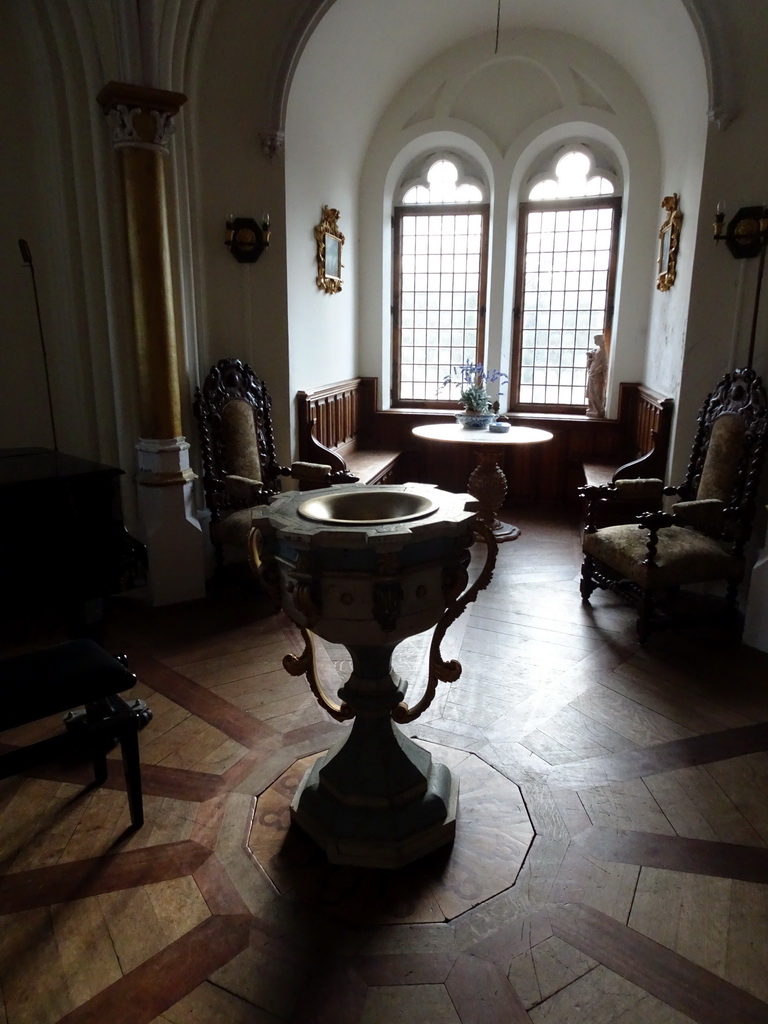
[643,489]
[655,521]
[628,490]
[639,489]
[320,475]
[311,472]
[595,492]
[706,514]
[241,491]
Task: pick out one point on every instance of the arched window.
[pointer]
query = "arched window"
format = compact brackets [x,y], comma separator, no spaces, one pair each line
[566,276]
[440,265]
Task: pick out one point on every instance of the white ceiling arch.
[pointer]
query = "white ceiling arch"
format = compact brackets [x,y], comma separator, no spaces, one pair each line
[638,35]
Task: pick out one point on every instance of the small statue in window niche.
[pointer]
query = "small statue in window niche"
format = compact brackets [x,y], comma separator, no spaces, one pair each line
[597,369]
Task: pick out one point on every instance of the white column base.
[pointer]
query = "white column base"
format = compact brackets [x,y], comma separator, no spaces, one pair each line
[172,531]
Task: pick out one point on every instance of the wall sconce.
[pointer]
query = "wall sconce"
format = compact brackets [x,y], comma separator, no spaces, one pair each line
[245,238]
[747,230]
[746,237]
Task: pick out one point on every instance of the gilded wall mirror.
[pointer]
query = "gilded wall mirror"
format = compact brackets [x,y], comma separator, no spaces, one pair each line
[669,235]
[330,242]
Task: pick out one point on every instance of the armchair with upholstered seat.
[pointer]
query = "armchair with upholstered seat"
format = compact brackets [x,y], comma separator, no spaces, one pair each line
[239,457]
[702,538]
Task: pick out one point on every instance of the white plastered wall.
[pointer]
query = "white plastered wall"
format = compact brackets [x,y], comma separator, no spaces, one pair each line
[325,139]
[236,309]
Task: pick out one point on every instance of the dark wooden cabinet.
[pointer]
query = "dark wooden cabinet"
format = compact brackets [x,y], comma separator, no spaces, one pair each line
[63,543]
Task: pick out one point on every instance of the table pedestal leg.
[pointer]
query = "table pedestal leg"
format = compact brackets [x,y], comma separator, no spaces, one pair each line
[488,484]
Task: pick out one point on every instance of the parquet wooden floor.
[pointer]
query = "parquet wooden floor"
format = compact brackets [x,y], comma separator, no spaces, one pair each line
[611,860]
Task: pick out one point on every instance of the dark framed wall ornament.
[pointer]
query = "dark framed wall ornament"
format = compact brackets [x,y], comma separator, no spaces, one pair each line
[330,242]
[246,239]
[669,239]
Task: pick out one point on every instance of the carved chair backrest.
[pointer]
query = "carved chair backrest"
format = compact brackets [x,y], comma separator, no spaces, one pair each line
[239,440]
[234,413]
[730,444]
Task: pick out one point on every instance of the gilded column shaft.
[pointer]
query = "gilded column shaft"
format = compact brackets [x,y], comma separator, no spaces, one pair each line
[141,122]
[152,292]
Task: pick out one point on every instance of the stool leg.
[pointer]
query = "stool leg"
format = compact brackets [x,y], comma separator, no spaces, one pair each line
[99,762]
[129,746]
[105,722]
[80,724]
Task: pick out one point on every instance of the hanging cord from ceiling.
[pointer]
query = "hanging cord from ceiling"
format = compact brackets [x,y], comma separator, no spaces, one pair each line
[498,23]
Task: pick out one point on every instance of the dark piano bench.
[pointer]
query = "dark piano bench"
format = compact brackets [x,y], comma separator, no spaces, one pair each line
[55,679]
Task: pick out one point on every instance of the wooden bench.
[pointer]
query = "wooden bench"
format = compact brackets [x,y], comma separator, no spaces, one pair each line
[641,447]
[336,427]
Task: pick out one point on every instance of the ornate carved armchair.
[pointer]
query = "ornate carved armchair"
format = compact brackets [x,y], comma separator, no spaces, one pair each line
[240,468]
[701,539]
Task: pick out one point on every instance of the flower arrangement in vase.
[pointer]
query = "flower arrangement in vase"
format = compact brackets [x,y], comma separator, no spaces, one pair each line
[473,379]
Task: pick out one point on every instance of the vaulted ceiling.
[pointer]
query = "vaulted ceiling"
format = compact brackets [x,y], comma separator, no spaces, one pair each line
[655,41]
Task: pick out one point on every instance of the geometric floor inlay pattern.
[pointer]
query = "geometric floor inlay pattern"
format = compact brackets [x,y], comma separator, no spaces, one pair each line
[610,864]
[493,834]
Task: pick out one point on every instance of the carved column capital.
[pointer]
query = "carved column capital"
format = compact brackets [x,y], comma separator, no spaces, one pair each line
[140,117]
[272,142]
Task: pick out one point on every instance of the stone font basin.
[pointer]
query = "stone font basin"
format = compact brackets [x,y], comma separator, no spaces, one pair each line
[370,505]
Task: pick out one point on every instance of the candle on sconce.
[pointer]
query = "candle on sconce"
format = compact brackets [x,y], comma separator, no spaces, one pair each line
[719,218]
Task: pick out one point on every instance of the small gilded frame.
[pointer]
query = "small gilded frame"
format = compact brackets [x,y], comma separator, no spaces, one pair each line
[669,237]
[330,242]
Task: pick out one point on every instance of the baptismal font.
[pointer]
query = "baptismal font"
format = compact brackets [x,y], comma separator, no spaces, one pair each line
[368,567]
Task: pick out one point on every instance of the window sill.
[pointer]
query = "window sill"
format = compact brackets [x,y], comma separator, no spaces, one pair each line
[528,417]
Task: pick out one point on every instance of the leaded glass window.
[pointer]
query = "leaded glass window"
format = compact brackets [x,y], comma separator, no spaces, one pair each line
[567,253]
[441,239]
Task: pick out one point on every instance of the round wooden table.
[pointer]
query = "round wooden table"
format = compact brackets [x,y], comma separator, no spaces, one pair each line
[487,482]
